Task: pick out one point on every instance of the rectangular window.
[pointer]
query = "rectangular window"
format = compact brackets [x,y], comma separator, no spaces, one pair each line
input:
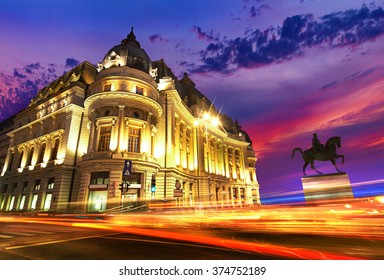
[139,90]
[105,138]
[107,87]
[51,183]
[14,187]
[22,203]
[134,140]
[12,203]
[34,201]
[37,185]
[47,203]
[2,203]
[25,186]
[100,178]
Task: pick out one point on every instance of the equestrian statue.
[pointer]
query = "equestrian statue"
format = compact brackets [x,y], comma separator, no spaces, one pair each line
[321,152]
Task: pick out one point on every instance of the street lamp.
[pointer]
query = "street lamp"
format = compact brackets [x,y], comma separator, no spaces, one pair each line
[213,121]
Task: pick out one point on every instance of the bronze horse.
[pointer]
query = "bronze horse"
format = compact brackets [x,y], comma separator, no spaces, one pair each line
[310,155]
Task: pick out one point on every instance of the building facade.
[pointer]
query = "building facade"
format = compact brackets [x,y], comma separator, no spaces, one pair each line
[67,150]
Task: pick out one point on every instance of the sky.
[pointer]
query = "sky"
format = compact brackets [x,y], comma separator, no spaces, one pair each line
[285,69]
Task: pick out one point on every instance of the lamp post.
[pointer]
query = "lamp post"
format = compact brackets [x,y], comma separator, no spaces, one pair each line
[207,119]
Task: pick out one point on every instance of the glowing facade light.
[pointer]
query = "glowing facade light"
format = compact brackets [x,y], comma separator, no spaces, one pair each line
[215,121]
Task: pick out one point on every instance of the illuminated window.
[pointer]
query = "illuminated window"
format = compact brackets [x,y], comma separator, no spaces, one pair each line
[105,138]
[51,183]
[242,193]
[139,90]
[107,87]
[42,152]
[100,178]
[55,149]
[47,203]
[2,203]
[22,203]
[37,185]
[134,140]
[12,203]
[34,201]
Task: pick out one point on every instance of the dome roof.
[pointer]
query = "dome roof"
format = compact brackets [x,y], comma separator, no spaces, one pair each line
[128,53]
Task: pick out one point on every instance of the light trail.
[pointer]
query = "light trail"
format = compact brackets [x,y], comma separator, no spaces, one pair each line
[358,219]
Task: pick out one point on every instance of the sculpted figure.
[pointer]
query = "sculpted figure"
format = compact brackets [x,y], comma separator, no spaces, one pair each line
[320,152]
[316,144]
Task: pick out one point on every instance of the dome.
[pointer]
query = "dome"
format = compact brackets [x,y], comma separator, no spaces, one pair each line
[128,53]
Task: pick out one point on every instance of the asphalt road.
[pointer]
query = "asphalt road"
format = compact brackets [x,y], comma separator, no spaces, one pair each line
[340,231]
[22,241]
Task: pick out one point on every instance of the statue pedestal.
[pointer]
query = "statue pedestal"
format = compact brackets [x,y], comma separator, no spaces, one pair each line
[327,187]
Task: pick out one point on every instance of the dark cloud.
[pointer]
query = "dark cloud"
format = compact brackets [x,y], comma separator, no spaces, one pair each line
[329,85]
[203,35]
[273,45]
[17,90]
[70,63]
[362,74]
[157,38]
[254,12]
[17,74]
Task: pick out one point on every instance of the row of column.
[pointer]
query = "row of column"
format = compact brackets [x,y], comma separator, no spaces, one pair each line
[25,151]
[120,133]
[217,156]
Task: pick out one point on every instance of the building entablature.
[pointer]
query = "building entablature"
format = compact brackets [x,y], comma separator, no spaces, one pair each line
[116,83]
[125,99]
[46,116]
[125,73]
[37,141]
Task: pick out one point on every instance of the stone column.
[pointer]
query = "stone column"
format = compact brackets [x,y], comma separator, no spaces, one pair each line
[227,174]
[195,148]
[184,158]
[120,129]
[91,140]
[177,142]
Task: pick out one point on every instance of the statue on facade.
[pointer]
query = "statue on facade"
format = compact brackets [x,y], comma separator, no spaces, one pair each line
[321,152]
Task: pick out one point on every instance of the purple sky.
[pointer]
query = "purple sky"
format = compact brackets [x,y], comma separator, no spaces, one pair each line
[284,69]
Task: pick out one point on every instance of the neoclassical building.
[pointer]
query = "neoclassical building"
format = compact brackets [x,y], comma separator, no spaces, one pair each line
[68,150]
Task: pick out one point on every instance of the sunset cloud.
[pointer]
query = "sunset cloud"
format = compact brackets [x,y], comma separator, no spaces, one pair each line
[17,90]
[297,33]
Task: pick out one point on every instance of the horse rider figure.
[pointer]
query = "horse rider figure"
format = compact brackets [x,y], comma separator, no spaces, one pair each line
[316,145]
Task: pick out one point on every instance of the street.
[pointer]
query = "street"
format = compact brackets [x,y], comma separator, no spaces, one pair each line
[331,231]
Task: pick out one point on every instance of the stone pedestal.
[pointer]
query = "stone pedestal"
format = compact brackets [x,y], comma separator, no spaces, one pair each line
[327,187]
